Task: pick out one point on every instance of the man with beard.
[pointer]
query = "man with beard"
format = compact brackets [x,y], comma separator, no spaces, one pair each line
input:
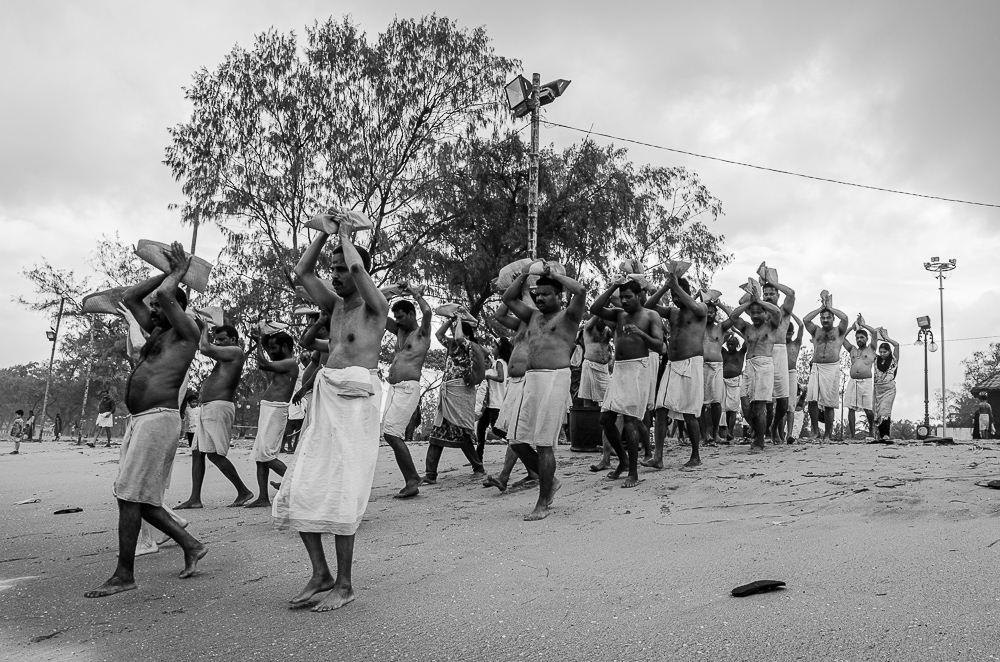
[780,392]
[715,385]
[150,442]
[824,375]
[682,389]
[758,382]
[637,332]
[413,340]
[858,393]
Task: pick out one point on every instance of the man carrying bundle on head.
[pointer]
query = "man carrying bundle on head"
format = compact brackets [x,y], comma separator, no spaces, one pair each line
[595,376]
[413,340]
[637,331]
[858,393]
[545,399]
[758,372]
[715,385]
[682,389]
[283,367]
[326,490]
[770,287]
[465,369]
[733,358]
[824,375]
[793,343]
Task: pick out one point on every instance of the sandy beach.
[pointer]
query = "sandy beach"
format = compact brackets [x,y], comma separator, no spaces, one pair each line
[889,553]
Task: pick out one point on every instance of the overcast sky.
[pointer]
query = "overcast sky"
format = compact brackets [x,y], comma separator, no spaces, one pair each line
[899,95]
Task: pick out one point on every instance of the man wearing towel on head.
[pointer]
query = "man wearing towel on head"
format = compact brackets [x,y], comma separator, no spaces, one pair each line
[637,331]
[770,289]
[154,423]
[326,490]
[824,375]
[284,368]
[412,342]
[858,393]
[545,399]
[758,371]
[214,430]
[595,377]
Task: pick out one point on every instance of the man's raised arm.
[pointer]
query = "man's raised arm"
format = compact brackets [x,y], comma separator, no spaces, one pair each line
[362,279]
[807,321]
[166,294]
[726,323]
[134,299]
[226,354]
[789,303]
[798,322]
[773,310]
[512,297]
[578,296]
[426,314]
[310,339]
[282,367]
[505,319]
[653,301]
[442,332]
[738,322]
[320,292]
[600,305]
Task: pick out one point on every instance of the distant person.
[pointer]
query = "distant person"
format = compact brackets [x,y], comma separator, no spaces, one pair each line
[57,428]
[985,428]
[191,414]
[297,408]
[29,425]
[105,416]
[496,388]
[17,431]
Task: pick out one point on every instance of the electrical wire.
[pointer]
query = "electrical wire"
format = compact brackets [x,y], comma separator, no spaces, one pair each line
[765,168]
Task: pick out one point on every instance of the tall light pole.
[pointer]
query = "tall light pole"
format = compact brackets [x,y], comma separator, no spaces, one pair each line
[52,335]
[925,337]
[936,265]
[523,98]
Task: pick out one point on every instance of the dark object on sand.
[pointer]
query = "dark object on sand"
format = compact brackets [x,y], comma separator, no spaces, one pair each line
[759,586]
[940,441]
[992,484]
[67,511]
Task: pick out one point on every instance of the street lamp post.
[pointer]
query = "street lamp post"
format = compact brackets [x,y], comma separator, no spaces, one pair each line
[936,265]
[523,98]
[52,335]
[925,337]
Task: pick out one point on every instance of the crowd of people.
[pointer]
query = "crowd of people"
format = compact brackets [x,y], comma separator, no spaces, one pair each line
[692,363]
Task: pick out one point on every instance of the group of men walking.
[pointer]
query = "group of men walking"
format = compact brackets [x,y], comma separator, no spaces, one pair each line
[705,373]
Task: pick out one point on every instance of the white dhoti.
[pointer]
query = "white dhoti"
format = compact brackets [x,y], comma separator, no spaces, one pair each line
[105,420]
[544,404]
[731,401]
[327,488]
[858,394]
[824,384]
[779,358]
[511,407]
[682,389]
[758,379]
[628,390]
[594,380]
[270,430]
[147,454]
[215,427]
[402,401]
[654,373]
[715,385]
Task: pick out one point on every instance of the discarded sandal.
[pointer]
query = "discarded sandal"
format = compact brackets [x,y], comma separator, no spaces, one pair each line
[759,586]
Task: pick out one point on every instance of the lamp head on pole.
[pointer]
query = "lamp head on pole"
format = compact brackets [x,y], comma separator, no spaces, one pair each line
[547,93]
[924,322]
[51,335]
[518,96]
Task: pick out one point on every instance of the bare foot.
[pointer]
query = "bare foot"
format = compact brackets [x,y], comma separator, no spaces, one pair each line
[409,490]
[313,586]
[429,481]
[191,558]
[600,466]
[524,483]
[755,449]
[556,484]
[693,462]
[262,502]
[617,473]
[655,463]
[338,597]
[630,481]
[241,500]
[110,587]
[540,512]
[189,504]
[495,482]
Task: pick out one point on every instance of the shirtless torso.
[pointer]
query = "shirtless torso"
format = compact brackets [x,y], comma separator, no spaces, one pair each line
[827,338]
[282,370]
[412,344]
[760,333]
[222,382]
[732,361]
[688,320]
[597,342]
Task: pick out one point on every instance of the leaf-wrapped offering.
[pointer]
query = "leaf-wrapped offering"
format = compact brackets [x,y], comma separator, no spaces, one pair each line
[631,266]
[767,274]
[211,314]
[155,254]
[677,267]
[745,299]
[105,302]
[641,279]
[269,328]
[752,288]
[826,299]
[331,220]
[709,296]
[538,268]
[451,310]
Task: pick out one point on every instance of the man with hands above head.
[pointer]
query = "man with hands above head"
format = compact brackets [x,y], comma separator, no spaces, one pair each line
[824,375]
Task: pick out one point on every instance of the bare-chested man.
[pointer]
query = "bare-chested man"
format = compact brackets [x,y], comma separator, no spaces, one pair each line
[329,493]
[551,337]
[858,392]
[412,342]
[715,384]
[733,357]
[595,376]
[824,375]
[793,343]
[516,367]
[758,381]
[780,392]
[637,331]
[682,389]
[152,396]
[218,410]
[281,363]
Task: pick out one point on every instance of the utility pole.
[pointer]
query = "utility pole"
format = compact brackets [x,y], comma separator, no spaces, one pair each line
[53,336]
[533,170]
